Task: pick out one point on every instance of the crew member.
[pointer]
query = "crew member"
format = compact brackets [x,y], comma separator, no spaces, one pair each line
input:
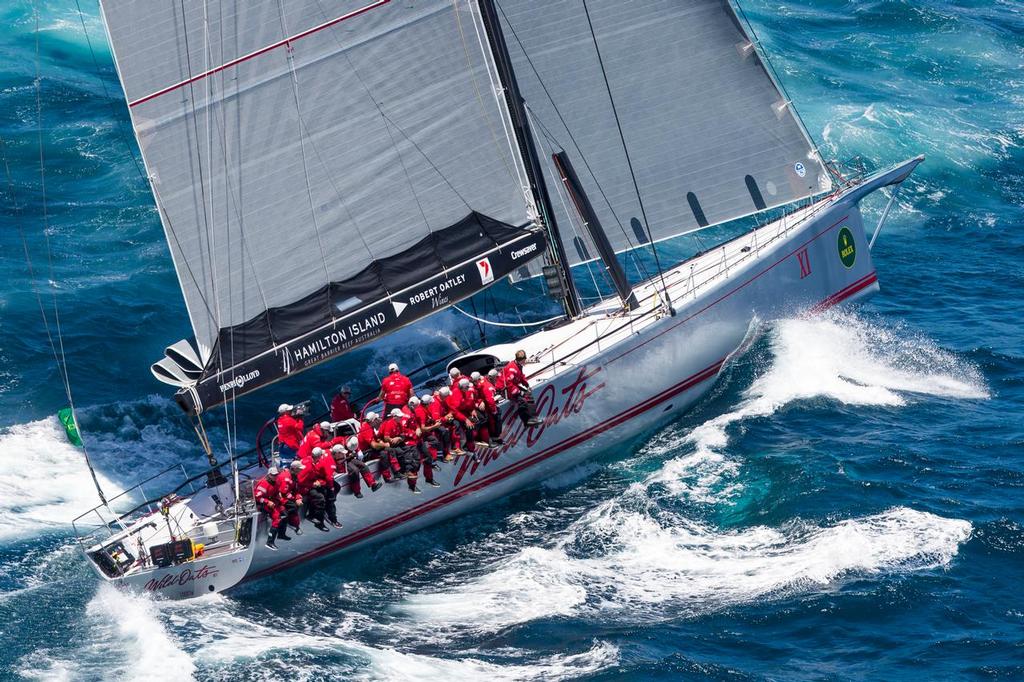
[291,500]
[454,374]
[457,422]
[310,488]
[497,380]
[289,430]
[341,408]
[315,438]
[486,390]
[432,430]
[395,389]
[374,447]
[440,416]
[517,388]
[345,458]
[326,468]
[403,435]
[268,500]
[470,405]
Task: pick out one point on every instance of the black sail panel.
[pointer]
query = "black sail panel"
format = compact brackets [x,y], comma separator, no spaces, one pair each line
[389,294]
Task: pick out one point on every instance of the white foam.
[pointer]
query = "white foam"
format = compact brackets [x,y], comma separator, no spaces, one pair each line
[45,482]
[227,638]
[652,570]
[127,626]
[838,357]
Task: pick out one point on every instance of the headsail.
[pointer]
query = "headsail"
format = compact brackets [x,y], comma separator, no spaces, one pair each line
[710,136]
[319,167]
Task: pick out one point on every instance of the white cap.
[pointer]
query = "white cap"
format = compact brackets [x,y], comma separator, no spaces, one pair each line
[397,413]
[371,415]
[297,464]
[475,376]
[414,401]
[393,367]
[317,452]
[273,471]
[337,448]
[493,373]
[454,372]
[353,443]
[284,407]
[445,391]
[426,398]
[465,383]
[346,389]
[325,425]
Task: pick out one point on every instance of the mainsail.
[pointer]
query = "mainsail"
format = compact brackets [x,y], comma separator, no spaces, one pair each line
[325,171]
[709,134]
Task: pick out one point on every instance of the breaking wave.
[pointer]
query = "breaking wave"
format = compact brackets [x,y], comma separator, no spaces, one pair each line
[632,559]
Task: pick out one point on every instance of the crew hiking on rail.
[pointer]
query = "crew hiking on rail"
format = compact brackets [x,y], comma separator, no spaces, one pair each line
[413,435]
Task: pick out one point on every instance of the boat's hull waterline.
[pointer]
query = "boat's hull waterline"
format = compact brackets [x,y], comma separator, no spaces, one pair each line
[621,381]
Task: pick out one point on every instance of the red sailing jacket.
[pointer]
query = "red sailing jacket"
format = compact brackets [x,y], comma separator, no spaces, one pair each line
[454,404]
[513,377]
[366,437]
[341,409]
[423,415]
[307,477]
[397,389]
[470,398]
[312,440]
[438,409]
[486,390]
[289,430]
[325,468]
[286,486]
[266,494]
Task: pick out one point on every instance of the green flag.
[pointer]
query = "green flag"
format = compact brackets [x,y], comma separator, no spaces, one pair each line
[67,418]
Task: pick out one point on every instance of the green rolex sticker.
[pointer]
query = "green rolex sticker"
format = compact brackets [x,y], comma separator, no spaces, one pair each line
[847,249]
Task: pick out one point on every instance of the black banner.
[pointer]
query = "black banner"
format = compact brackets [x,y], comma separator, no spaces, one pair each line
[364,324]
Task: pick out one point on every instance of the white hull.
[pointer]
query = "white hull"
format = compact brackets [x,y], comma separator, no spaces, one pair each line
[624,376]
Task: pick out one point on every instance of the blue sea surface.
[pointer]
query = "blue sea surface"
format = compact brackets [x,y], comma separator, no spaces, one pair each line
[847,503]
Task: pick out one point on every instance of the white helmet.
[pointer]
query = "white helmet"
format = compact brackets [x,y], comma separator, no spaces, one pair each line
[426,398]
[475,376]
[465,383]
[393,367]
[284,407]
[396,413]
[371,415]
[454,372]
[414,401]
[445,391]
[353,443]
[338,449]
[317,452]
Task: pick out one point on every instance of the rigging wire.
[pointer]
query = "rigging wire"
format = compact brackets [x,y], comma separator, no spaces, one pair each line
[61,359]
[629,161]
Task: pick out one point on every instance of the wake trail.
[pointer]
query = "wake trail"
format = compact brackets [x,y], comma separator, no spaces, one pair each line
[631,559]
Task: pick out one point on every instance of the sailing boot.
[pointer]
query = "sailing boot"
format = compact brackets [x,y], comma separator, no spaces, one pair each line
[370,481]
[298,531]
[282,533]
[271,536]
[353,485]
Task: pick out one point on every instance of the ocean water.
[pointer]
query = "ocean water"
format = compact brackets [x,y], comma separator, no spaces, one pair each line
[847,503]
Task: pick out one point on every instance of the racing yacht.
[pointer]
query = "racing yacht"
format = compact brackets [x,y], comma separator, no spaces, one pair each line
[329,172]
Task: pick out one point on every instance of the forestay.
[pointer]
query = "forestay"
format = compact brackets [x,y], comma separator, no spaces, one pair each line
[318,164]
[709,135]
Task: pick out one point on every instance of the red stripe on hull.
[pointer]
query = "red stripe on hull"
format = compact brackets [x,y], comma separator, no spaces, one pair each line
[707,373]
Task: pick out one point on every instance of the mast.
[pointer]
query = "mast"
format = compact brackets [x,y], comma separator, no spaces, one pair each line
[524,136]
